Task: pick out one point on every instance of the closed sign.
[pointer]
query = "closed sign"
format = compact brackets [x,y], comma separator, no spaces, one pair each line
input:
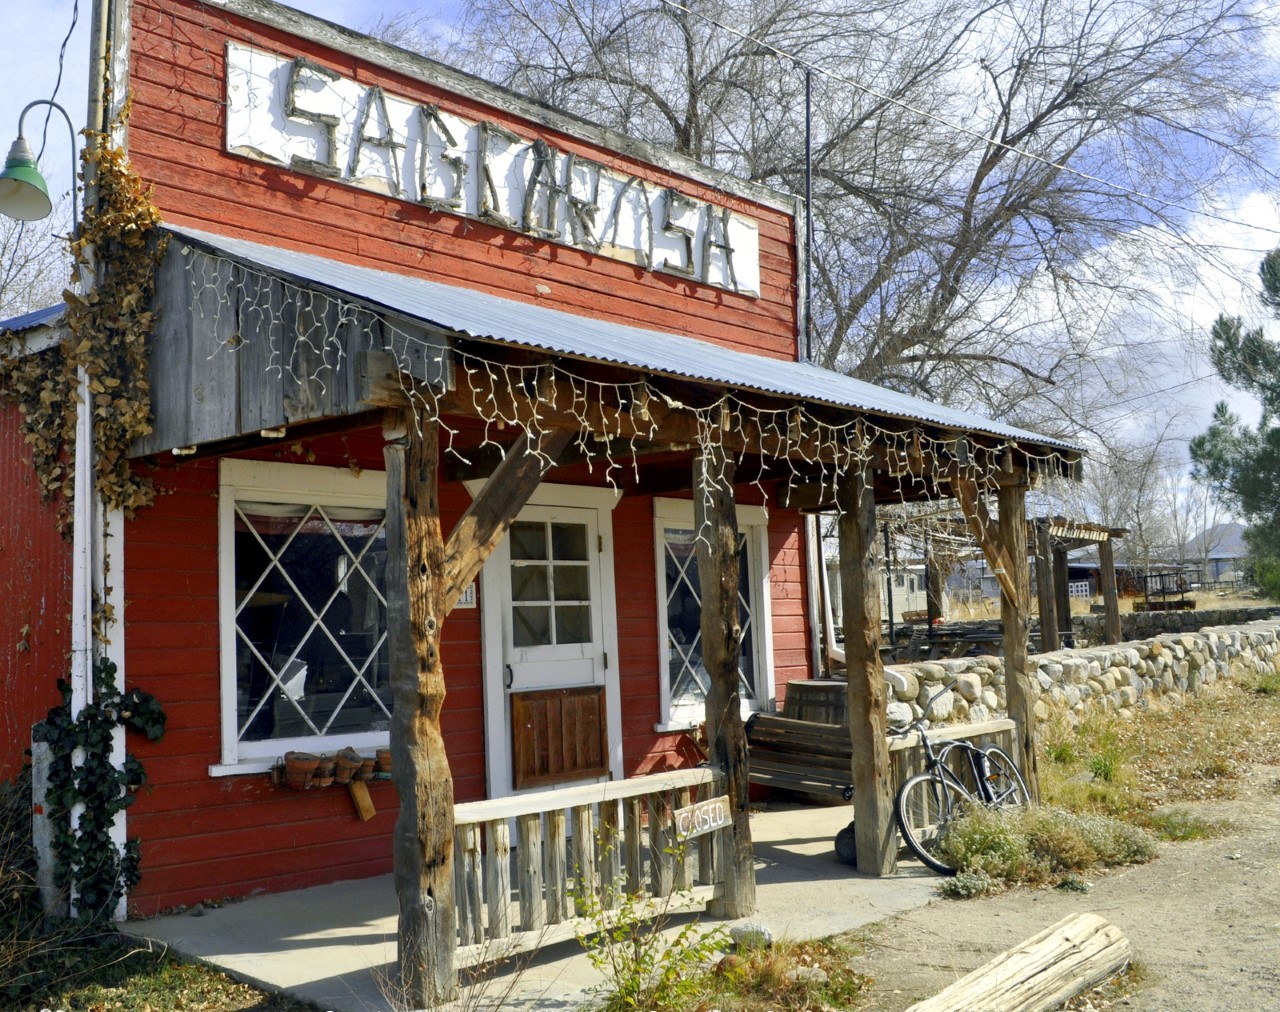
[702,818]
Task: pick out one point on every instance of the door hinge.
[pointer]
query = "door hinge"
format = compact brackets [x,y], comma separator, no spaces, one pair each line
[600,543]
[606,659]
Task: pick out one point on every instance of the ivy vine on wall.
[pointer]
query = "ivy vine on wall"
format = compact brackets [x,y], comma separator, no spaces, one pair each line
[108,332]
[86,857]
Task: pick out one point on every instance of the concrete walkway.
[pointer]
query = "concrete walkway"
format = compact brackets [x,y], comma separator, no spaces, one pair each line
[335,945]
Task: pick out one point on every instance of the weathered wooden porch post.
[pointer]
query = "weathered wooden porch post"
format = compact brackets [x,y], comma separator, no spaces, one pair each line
[874,835]
[716,522]
[1014,611]
[1044,588]
[423,841]
[1111,631]
[1062,590]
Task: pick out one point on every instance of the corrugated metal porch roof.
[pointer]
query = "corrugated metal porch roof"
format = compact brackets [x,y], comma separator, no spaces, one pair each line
[486,316]
[36,318]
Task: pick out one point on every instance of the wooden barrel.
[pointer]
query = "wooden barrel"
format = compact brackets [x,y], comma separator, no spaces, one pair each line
[824,700]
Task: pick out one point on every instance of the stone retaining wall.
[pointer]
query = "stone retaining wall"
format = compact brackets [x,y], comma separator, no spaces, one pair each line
[1141,625]
[1119,678]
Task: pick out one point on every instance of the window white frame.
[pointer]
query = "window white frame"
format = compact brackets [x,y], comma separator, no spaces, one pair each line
[266,481]
[753,524]
[497,720]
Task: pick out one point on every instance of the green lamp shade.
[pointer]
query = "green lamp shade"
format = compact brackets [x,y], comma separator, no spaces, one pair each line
[23,192]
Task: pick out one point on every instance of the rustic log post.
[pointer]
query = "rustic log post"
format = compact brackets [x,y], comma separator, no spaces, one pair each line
[935,579]
[1014,612]
[1044,588]
[1111,632]
[874,835]
[716,523]
[1062,590]
[423,840]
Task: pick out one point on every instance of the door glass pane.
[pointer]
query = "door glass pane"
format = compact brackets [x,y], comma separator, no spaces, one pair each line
[531,626]
[573,623]
[528,540]
[569,542]
[573,583]
[529,583]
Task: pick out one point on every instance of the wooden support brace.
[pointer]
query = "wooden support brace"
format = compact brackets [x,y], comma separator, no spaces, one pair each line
[984,531]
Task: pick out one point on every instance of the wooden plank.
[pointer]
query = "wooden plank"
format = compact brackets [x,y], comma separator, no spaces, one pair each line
[1044,588]
[313,350]
[214,304]
[558,735]
[533,909]
[422,844]
[612,883]
[632,853]
[1066,959]
[169,358]
[661,863]
[498,878]
[471,898]
[567,797]
[875,835]
[1111,630]
[359,792]
[585,886]
[683,872]
[557,867]
[264,317]
[715,521]
[1015,616]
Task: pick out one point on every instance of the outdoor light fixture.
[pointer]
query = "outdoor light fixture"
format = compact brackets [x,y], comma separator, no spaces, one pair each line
[24,194]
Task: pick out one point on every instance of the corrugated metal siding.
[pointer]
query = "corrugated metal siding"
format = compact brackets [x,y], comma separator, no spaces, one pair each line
[482,315]
[35,588]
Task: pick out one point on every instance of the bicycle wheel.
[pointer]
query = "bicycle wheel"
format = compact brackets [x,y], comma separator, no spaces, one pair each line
[926,804]
[1008,789]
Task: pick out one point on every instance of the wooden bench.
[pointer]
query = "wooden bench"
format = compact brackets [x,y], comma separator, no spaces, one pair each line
[814,758]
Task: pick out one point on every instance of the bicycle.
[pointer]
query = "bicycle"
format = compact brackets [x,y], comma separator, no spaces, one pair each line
[929,801]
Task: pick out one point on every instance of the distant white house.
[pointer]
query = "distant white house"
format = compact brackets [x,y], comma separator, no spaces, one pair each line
[905,584]
[1218,551]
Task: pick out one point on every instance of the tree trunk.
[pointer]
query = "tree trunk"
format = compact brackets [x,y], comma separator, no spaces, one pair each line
[874,834]
[716,523]
[1014,612]
[423,841]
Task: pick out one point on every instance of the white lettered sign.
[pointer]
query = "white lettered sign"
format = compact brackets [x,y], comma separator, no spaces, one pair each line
[299,114]
[702,818]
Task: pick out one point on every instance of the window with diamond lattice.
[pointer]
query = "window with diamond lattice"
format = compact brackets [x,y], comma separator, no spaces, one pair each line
[688,678]
[310,621]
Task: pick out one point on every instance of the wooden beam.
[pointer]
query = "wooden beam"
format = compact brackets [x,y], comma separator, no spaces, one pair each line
[985,533]
[423,840]
[1111,631]
[1014,615]
[716,524]
[1062,593]
[1044,588]
[493,510]
[874,834]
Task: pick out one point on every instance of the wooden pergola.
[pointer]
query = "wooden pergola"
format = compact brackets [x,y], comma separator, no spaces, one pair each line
[1054,538]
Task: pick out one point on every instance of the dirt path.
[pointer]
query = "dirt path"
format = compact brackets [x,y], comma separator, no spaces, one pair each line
[1204,920]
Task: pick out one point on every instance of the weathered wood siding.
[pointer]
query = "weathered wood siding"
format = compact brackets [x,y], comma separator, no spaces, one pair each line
[35,586]
[176,142]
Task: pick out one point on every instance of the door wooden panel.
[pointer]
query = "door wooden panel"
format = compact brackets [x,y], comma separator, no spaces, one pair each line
[558,735]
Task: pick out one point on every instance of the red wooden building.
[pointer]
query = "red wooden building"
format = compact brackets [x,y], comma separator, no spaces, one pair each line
[352,227]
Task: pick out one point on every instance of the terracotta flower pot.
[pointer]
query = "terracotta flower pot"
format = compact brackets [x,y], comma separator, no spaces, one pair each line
[324,772]
[299,769]
[348,765]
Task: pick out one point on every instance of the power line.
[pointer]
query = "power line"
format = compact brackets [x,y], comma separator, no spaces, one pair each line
[961,128]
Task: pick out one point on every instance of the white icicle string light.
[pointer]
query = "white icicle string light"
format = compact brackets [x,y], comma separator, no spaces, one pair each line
[326,329]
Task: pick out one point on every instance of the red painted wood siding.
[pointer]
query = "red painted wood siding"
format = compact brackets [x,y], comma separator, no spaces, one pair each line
[176,141]
[35,586]
[209,837]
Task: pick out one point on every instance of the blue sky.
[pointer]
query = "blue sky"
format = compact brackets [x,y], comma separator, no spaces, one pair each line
[35,31]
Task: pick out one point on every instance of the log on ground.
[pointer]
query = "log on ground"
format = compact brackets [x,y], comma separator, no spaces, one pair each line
[1064,960]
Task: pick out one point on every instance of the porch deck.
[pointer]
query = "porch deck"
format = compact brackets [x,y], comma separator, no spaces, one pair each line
[335,945]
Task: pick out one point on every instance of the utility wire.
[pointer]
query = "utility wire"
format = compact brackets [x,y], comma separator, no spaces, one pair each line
[808,65]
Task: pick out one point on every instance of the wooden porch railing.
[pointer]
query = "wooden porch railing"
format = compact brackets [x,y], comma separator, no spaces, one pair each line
[599,841]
